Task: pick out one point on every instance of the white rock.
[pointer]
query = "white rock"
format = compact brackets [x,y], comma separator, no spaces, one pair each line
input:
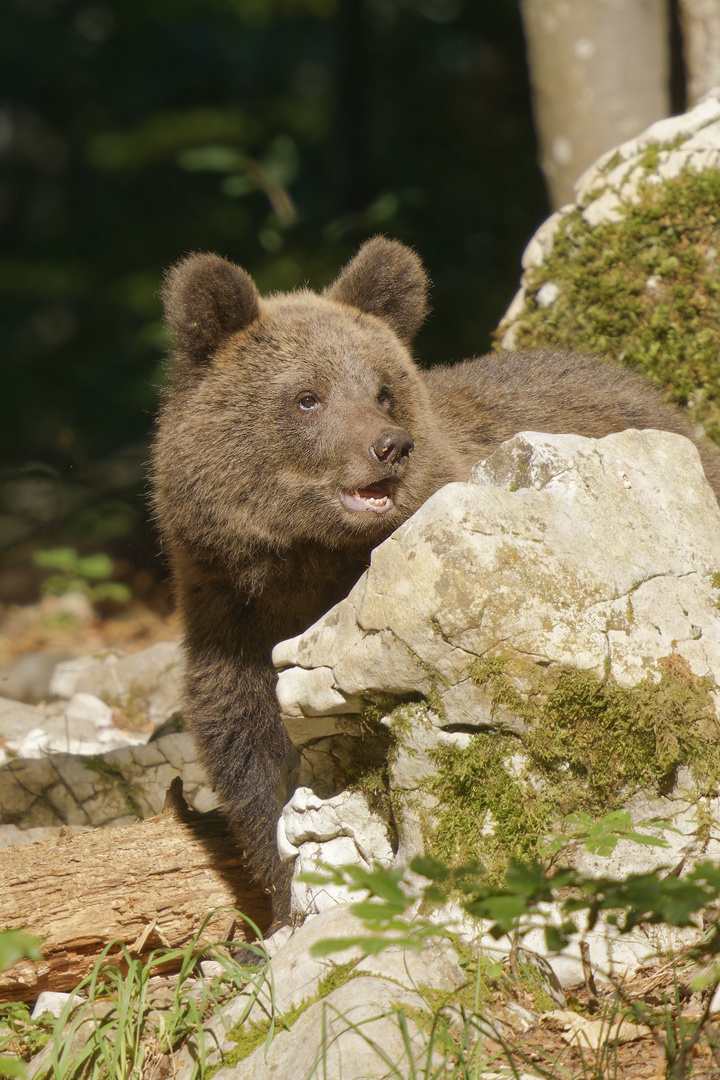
[603,194]
[595,554]
[53,1002]
[436,966]
[211,969]
[606,207]
[555,542]
[547,294]
[34,743]
[27,678]
[66,676]
[350,1035]
[88,707]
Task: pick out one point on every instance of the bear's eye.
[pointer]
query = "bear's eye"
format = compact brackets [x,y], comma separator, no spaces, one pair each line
[308,402]
[385,397]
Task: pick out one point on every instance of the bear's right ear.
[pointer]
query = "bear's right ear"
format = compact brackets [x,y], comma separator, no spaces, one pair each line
[385,279]
[206,300]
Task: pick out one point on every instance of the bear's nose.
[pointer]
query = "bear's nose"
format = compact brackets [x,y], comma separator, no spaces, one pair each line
[392,446]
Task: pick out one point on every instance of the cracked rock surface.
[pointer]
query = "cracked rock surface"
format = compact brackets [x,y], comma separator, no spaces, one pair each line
[593,553]
[66,762]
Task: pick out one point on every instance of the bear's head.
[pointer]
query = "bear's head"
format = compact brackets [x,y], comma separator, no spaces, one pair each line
[296,417]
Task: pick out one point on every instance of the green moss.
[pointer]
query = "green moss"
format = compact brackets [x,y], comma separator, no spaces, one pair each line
[337,976]
[490,672]
[253,1033]
[589,745]
[366,768]
[668,329]
[650,158]
[483,810]
[247,1038]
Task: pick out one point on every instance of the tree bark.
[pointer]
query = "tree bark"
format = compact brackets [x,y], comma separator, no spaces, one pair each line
[146,885]
[600,74]
[700,24]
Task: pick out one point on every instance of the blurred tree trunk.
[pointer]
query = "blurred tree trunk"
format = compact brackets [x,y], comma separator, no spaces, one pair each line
[600,74]
[700,23]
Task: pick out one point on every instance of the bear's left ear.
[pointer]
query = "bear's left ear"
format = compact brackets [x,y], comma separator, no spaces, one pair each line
[385,279]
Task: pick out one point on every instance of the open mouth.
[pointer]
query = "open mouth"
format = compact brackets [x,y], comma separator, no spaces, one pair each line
[376,498]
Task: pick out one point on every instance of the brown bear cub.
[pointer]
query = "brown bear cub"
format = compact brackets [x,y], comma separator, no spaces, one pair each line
[296,435]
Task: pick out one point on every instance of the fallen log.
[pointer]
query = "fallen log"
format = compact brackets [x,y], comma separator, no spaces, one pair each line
[147,885]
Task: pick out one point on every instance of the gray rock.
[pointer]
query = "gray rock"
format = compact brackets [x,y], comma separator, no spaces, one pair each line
[148,682]
[28,677]
[357,1017]
[12,836]
[597,554]
[114,788]
[354,1033]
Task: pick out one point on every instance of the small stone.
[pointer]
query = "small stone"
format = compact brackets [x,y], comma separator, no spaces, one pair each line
[54,1002]
[34,744]
[28,677]
[547,294]
[89,708]
[65,677]
[606,208]
[211,969]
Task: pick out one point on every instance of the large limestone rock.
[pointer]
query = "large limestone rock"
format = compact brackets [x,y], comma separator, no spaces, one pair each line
[561,553]
[349,1025]
[598,554]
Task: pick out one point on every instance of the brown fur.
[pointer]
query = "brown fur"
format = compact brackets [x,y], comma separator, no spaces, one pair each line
[248,475]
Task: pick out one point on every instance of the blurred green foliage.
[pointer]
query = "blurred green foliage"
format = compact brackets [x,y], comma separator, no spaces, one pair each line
[86,574]
[280,133]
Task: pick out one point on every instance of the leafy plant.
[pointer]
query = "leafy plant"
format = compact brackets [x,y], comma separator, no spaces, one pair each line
[86,574]
[15,945]
[601,837]
[519,904]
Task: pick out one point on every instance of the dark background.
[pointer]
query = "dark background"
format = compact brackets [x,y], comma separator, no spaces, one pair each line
[280,133]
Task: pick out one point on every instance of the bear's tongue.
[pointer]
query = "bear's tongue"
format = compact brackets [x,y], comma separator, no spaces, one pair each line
[376,498]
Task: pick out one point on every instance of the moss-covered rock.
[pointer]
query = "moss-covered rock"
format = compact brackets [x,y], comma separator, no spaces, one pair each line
[590,745]
[632,271]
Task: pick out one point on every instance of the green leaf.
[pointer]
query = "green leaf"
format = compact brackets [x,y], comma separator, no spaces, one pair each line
[17,945]
[62,584]
[646,839]
[430,868]
[504,911]
[555,939]
[95,567]
[12,1067]
[529,879]
[57,559]
[373,911]
[110,590]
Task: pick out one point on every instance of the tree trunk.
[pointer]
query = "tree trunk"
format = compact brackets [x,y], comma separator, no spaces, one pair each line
[146,885]
[600,74]
[700,23]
